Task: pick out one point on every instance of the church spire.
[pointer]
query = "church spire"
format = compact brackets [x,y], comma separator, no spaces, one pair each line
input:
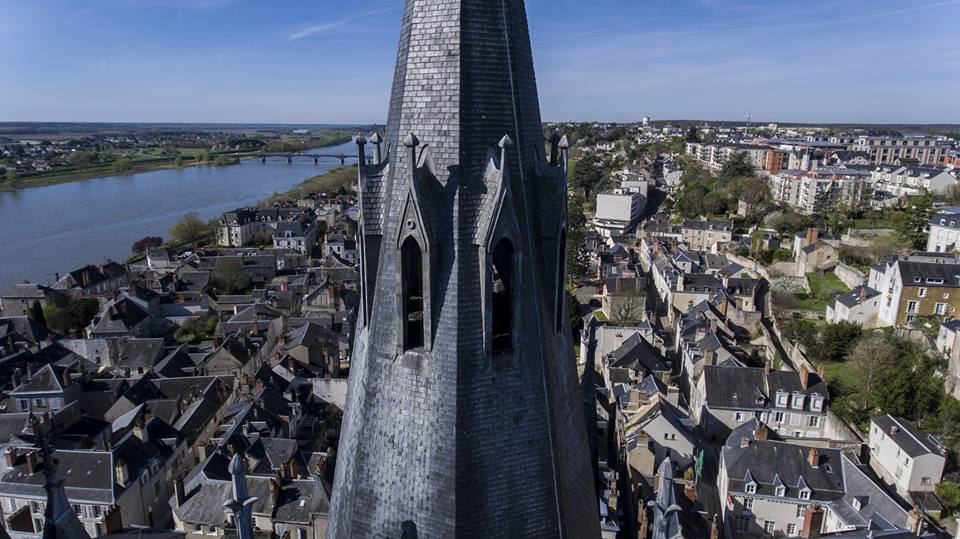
[239,508]
[462,417]
[59,520]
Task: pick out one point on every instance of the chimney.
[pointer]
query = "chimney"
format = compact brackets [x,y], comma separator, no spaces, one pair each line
[767,367]
[10,456]
[140,430]
[812,235]
[863,293]
[762,433]
[813,457]
[710,357]
[915,522]
[120,472]
[804,377]
[274,490]
[33,465]
[715,527]
[179,493]
[66,377]
[813,521]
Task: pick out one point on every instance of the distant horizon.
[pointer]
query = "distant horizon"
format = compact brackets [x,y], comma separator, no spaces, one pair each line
[872,62]
[753,123]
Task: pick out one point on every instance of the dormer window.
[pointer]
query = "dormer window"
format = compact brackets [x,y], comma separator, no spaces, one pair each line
[782,398]
[751,488]
[816,402]
[503,290]
[411,261]
[798,399]
[805,494]
[781,491]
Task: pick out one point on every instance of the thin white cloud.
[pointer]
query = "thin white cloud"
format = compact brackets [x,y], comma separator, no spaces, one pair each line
[320,28]
[316,29]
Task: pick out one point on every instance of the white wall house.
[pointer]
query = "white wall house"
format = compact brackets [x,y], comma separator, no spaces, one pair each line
[944,233]
[618,211]
[904,457]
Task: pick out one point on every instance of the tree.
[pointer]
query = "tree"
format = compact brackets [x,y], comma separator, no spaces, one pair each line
[73,317]
[692,134]
[205,156]
[837,339]
[122,165]
[578,261]
[952,194]
[11,176]
[144,244]
[189,229]
[737,166]
[587,175]
[36,313]
[873,357]
[913,229]
[178,162]
[231,278]
[824,206]
[949,494]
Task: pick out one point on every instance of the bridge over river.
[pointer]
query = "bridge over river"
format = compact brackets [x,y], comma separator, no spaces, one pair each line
[343,157]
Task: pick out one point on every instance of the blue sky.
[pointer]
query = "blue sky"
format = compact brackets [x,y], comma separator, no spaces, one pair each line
[330,61]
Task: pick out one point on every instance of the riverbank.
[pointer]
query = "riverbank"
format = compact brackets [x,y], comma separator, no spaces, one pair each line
[332,180]
[123,167]
[104,170]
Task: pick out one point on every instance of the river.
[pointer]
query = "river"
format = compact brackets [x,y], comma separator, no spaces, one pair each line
[63,227]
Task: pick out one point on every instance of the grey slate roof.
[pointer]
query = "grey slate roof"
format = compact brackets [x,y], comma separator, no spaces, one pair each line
[853,297]
[746,388]
[911,440]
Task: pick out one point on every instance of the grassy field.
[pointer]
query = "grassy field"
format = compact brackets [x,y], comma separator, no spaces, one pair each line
[823,289]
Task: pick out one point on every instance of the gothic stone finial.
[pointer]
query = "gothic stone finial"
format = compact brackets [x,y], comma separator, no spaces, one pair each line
[504,143]
[361,149]
[376,141]
[553,140]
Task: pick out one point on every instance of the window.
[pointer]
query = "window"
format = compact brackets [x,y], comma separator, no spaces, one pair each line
[912,306]
[925,481]
[742,522]
[751,488]
[781,491]
[813,421]
[940,308]
[411,262]
[738,416]
[748,504]
[669,436]
[922,293]
[805,494]
[503,277]
[769,526]
[791,530]
[778,417]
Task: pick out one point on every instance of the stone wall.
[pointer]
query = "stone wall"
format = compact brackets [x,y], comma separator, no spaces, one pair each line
[852,277]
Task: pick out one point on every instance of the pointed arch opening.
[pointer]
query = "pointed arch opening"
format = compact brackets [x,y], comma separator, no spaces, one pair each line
[411,263]
[561,277]
[503,293]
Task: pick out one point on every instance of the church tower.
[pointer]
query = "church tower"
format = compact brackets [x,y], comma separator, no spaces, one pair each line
[463,417]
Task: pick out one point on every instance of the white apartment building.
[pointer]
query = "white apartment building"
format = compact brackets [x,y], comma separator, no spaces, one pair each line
[887,150]
[911,181]
[904,457]
[801,189]
[944,233]
[618,211]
